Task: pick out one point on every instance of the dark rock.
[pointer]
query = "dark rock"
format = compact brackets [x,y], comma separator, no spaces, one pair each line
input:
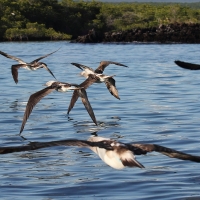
[91,37]
[171,33]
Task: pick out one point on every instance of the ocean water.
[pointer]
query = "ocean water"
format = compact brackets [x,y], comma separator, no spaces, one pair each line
[159,104]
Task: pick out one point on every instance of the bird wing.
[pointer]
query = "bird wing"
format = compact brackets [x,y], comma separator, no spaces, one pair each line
[40,145]
[110,83]
[92,78]
[167,151]
[82,67]
[104,64]
[14,70]
[74,98]
[45,67]
[82,93]
[12,57]
[85,84]
[187,65]
[36,60]
[33,100]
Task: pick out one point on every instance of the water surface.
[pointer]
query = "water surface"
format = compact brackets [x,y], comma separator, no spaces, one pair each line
[159,104]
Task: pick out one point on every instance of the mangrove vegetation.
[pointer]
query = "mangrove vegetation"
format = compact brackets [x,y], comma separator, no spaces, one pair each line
[68,19]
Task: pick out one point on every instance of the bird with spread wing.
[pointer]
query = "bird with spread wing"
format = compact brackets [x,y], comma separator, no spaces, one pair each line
[34,65]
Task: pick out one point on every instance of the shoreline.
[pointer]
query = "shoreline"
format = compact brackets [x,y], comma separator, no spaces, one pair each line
[164,34]
[171,33]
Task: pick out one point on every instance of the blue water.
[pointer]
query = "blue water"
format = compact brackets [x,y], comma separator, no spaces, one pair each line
[159,104]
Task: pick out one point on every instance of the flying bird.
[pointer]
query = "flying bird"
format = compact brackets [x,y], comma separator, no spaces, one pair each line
[115,154]
[187,65]
[123,154]
[60,87]
[104,64]
[108,80]
[34,65]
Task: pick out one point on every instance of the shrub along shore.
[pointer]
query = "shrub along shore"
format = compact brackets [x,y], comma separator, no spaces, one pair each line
[79,21]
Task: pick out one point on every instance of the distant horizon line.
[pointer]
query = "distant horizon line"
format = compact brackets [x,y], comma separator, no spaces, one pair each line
[151,1]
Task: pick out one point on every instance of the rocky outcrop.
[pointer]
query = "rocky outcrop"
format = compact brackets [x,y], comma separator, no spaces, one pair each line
[172,33]
[91,37]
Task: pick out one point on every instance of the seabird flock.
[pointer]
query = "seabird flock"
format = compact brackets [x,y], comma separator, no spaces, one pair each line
[115,154]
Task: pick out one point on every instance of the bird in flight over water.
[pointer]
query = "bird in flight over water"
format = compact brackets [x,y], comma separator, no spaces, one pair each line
[102,78]
[60,87]
[115,154]
[34,65]
[187,65]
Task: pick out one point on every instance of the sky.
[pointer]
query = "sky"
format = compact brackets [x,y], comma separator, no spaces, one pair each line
[173,1]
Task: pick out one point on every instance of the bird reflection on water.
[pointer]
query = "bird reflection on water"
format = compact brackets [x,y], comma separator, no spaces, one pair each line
[87,126]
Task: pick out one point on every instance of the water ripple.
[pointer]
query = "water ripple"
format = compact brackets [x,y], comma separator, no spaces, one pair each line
[159,104]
